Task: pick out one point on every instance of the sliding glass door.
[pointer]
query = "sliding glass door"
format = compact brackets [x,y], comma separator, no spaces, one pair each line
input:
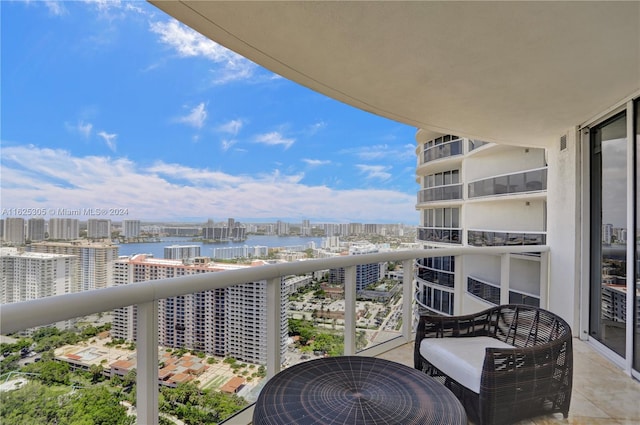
[609,233]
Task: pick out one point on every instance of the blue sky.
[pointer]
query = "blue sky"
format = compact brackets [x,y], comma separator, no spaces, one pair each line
[117,105]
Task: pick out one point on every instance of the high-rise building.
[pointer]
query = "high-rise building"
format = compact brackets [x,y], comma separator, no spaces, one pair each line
[14,232]
[64,228]
[35,229]
[181,252]
[29,276]
[95,260]
[504,204]
[366,274]
[98,228]
[223,322]
[131,228]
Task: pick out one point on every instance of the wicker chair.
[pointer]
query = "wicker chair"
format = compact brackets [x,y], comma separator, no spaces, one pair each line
[531,377]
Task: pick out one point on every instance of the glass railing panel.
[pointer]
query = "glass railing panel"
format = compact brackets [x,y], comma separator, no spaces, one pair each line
[437,277]
[475,144]
[494,238]
[440,193]
[528,181]
[443,150]
[483,290]
[516,297]
[439,234]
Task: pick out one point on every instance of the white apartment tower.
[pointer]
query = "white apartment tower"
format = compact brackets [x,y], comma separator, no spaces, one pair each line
[14,231]
[98,228]
[223,322]
[181,252]
[35,229]
[64,228]
[478,194]
[28,276]
[95,260]
[131,228]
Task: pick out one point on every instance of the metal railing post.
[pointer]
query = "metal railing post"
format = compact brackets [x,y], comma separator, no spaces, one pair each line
[147,364]
[274,314]
[350,311]
[505,271]
[407,299]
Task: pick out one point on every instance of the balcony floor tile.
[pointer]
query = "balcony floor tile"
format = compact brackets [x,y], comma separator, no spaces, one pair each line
[602,394]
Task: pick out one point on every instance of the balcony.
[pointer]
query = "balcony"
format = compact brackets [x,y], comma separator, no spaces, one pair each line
[590,402]
[442,150]
[510,184]
[448,192]
[504,238]
[448,235]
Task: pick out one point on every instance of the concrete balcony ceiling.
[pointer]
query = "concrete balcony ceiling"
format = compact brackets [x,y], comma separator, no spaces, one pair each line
[507,72]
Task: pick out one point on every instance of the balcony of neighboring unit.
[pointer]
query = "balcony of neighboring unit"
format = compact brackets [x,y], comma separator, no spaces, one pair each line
[490,293]
[446,235]
[520,183]
[449,192]
[442,147]
[477,237]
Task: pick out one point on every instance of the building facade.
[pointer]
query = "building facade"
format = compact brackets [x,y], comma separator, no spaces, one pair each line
[64,228]
[95,260]
[14,230]
[181,252]
[222,322]
[98,228]
[35,229]
[475,193]
[131,228]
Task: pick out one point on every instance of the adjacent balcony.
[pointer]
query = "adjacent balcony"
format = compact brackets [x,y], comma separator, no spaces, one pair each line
[450,192]
[590,402]
[443,150]
[448,235]
[508,184]
[504,238]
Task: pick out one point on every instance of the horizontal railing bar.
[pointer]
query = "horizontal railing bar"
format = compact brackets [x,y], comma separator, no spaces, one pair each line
[515,173]
[44,311]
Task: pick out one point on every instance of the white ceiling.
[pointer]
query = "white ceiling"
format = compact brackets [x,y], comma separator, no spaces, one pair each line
[511,72]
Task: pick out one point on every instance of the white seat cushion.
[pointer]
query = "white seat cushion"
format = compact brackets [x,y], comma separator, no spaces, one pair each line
[460,358]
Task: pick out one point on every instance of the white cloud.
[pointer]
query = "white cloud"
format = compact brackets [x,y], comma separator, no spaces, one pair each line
[84,129]
[314,128]
[375,171]
[404,152]
[56,8]
[110,139]
[316,162]
[226,144]
[188,43]
[47,178]
[196,117]
[232,127]
[273,139]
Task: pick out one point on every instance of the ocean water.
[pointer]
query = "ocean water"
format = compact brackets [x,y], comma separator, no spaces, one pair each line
[206,250]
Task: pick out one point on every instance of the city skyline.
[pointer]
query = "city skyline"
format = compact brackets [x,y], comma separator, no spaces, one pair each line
[114,105]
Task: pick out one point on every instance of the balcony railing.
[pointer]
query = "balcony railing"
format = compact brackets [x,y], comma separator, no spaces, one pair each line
[508,184]
[441,193]
[440,234]
[145,295]
[442,150]
[498,238]
[491,293]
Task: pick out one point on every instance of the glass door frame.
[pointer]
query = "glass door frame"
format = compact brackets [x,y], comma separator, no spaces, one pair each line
[633,160]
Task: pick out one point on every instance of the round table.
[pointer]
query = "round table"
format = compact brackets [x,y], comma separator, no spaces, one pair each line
[355,390]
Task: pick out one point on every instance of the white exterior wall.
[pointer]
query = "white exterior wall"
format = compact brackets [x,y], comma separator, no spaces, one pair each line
[506,214]
[563,234]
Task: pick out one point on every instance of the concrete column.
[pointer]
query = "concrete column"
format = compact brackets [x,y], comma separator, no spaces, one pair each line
[544,280]
[147,364]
